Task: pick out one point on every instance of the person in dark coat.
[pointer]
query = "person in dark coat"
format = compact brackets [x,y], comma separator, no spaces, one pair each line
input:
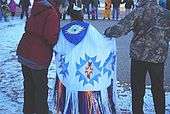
[86,7]
[24,4]
[129,4]
[35,52]
[63,7]
[150,24]
[70,7]
[116,9]
[95,4]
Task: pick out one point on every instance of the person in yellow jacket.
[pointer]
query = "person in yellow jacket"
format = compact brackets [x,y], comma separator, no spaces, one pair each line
[107,10]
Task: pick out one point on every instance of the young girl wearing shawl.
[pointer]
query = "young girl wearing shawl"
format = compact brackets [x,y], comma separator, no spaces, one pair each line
[86,69]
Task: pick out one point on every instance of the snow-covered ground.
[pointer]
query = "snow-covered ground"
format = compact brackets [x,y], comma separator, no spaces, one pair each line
[11,87]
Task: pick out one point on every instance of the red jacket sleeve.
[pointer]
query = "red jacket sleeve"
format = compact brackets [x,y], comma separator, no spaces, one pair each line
[52,27]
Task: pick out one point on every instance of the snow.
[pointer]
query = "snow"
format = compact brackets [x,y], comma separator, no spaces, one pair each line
[11,86]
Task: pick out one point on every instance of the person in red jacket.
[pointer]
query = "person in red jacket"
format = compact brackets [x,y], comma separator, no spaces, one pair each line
[35,52]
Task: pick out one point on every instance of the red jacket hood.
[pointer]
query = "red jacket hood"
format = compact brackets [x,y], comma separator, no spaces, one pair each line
[38,7]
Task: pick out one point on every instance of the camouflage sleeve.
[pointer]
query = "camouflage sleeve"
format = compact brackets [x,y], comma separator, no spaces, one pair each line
[168,34]
[167,25]
[123,27]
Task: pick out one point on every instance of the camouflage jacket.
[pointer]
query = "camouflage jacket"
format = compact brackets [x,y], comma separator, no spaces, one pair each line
[150,24]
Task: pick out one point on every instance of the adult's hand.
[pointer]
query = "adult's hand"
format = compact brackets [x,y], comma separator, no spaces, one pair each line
[107,32]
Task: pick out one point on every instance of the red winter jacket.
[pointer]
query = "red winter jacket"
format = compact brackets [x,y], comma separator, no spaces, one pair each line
[41,33]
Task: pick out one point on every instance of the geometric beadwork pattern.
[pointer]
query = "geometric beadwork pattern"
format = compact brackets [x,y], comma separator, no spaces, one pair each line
[88,70]
[109,64]
[63,66]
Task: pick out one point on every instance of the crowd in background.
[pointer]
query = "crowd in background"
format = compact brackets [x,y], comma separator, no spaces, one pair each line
[91,8]
[10,9]
[111,8]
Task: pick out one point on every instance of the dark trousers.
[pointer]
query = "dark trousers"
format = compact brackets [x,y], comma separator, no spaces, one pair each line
[138,76]
[24,11]
[95,12]
[35,91]
[12,14]
[86,9]
[64,16]
[115,13]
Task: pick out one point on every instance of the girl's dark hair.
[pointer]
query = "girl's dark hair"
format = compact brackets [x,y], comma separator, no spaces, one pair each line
[76,15]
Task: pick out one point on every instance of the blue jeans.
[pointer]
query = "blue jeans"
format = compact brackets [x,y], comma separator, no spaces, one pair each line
[115,13]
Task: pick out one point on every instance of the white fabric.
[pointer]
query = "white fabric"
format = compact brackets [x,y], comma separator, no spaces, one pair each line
[94,44]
